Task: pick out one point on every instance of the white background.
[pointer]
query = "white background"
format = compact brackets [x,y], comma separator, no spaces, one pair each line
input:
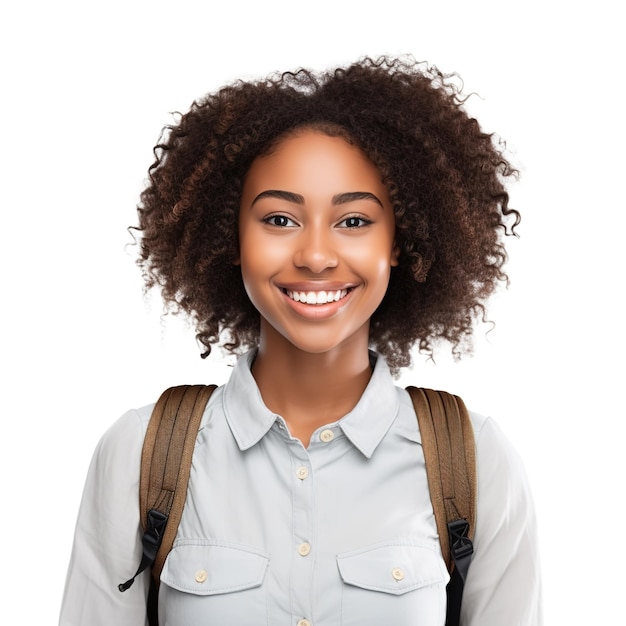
[86,89]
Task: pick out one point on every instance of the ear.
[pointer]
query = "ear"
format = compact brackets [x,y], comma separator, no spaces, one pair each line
[236,261]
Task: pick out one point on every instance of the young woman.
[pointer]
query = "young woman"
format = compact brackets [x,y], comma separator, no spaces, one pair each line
[322,225]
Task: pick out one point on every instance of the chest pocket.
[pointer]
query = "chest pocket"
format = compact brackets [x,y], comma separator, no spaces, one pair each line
[213,583]
[398,584]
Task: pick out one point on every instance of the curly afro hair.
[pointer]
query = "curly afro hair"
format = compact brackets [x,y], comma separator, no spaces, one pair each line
[445,178]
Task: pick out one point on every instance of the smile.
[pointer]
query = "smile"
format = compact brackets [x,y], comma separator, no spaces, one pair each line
[317,297]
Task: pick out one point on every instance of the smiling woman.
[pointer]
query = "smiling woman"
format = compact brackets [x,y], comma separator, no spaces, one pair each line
[328,224]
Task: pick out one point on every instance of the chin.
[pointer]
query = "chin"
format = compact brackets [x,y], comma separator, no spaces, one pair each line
[327,345]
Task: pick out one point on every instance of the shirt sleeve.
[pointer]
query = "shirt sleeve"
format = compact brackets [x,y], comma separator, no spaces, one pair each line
[107,541]
[503,584]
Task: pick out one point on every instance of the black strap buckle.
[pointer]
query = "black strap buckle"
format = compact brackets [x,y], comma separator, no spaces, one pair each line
[151,541]
[461,545]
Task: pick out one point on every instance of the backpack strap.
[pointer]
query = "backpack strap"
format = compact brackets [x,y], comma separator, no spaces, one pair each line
[450,456]
[165,466]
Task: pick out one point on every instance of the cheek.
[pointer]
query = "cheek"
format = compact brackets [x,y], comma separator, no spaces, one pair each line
[260,257]
[373,261]
[260,261]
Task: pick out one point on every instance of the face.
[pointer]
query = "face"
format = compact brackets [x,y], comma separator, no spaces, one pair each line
[316,233]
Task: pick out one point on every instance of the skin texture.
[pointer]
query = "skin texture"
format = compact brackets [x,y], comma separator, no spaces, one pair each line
[314,216]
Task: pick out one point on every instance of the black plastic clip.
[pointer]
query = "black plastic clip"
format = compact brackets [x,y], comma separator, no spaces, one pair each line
[460,544]
[151,542]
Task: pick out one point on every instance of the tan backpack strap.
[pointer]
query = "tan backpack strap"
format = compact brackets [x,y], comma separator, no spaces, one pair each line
[166,459]
[165,466]
[450,456]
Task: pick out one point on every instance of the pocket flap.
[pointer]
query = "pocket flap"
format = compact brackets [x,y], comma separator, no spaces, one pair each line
[393,569]
[210,568]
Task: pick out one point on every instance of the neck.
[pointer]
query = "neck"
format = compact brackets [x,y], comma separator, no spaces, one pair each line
[310,389]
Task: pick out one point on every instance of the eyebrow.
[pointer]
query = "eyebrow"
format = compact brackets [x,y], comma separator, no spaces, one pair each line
[338,199]
[296,198]
[352,196]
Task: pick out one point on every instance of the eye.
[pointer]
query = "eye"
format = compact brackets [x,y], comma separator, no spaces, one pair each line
[354,221]
[281,221]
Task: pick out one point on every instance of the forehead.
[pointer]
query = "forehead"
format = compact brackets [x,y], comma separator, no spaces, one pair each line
[312,160]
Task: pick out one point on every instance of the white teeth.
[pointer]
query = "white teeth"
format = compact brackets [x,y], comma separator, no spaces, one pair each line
[317,297]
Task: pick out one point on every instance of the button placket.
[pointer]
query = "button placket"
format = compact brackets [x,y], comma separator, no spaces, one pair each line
[303,531]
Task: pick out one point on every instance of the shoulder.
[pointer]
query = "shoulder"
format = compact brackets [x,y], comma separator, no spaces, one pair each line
[500,469]
[502,485]
[123,440]
[114,468]
[492,446]
[132,424]
[125,435]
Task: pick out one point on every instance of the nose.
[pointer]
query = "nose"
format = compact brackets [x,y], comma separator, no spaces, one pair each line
[315,251]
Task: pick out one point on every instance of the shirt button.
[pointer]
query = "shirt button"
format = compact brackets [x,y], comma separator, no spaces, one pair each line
[397,573]
[327,435]
[304,548]
[302,472]
[201,576]
[303,622]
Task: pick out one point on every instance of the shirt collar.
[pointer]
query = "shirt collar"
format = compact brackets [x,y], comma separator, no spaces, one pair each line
[365,426]
[247,416]
[371,418]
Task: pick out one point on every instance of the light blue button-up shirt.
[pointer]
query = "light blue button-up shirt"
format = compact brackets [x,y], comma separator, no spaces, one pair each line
[340,533]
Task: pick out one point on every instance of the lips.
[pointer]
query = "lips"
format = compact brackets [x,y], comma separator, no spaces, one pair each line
[317,297]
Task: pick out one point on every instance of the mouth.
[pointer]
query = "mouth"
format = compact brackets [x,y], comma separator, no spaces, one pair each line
[317,297]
